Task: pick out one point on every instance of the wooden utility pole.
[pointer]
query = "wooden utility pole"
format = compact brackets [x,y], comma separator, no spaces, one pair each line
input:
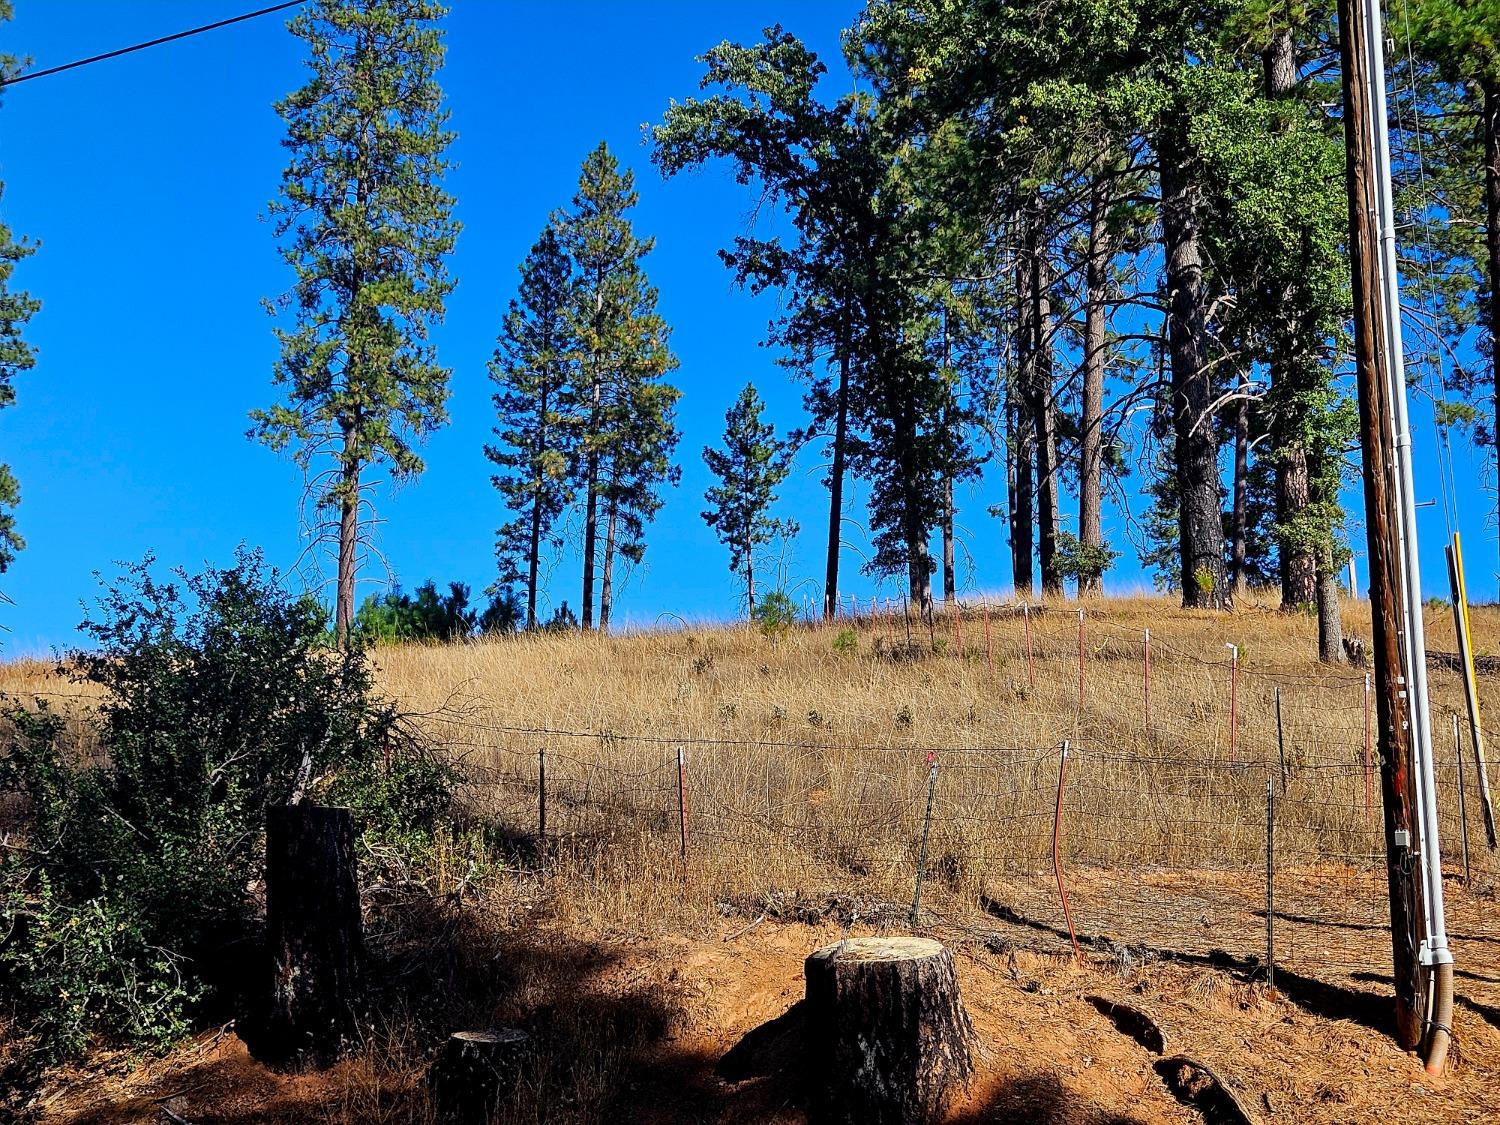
[1373,376]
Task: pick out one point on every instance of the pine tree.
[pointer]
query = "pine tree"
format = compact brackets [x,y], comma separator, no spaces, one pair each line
[628,429]
[366,225]
[16,355]
[534,367]
[750,468]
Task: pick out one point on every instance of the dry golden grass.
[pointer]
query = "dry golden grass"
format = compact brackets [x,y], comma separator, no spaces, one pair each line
[807,768]
[806,780]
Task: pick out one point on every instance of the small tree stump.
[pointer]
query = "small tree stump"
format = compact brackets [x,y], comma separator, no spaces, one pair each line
[312,931]
[476,1071]
[887,1009]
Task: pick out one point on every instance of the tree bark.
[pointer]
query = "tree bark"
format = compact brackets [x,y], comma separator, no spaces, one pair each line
[1297,557]
[1299,564]
[1095,362]
[1020,441]
[950,576]
[1239,510]
[533,559]
[836,489]
[312,932]
[950,561]
[1200,519]
[1330,615]
[590,521]
[886,1017]
[607,580]
[915,529]
[475,1072]
[348,547]
[1044,419]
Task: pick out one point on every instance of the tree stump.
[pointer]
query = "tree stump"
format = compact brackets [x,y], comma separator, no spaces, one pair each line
[312,931]
[887,1011]
[474,1072]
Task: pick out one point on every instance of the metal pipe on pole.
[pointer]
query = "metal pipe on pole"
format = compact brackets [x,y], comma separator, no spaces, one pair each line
[1398,651]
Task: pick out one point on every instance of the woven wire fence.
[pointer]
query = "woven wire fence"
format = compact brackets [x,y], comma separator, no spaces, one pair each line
[1227,813]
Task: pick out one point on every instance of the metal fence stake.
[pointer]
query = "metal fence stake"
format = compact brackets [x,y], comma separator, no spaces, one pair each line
[1280,740]
[682,802]
[932,773]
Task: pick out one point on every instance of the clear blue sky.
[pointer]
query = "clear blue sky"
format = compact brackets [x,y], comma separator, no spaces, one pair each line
[144,179]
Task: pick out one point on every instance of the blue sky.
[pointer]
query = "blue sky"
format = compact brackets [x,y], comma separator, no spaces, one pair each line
[145,178]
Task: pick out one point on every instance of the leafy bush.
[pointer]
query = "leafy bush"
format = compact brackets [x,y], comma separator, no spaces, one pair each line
[222,696]
[846,641]
[775,614]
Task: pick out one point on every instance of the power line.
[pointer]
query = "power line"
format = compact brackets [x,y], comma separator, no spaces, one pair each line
[151,43]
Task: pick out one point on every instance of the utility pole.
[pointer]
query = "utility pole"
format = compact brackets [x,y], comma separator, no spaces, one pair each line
[1418,942]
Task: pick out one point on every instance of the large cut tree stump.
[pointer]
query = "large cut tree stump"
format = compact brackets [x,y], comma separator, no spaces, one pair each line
[474,1072]
[888,1013]
[313,933]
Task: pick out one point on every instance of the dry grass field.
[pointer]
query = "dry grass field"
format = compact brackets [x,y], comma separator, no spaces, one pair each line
[663,913]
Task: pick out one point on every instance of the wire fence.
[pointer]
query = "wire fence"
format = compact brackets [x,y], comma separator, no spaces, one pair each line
[1239,824]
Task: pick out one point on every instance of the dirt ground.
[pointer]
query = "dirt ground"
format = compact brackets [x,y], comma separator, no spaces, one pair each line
[1312,1052]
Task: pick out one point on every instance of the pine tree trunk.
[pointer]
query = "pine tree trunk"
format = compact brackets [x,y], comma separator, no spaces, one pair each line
[749,581]
[607,581]
[1044,418]
[918,556]
[1299,564]
[1330,615]
[1020,432]
[891,1038]
[950,577]
[1239,511]
[1298,560]
[1095,360]
[950,561]
[591,508]
[312,932]
[1200,518]
[836,489]
[1491,128]
[348,547]
[534,552]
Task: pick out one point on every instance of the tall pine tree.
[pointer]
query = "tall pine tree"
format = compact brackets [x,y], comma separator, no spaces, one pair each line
[16,355]
[535,407]
[750,468]
[365,223]
[628,411]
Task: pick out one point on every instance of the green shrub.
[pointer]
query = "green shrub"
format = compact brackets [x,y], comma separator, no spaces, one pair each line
[222,696]
[846,641]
